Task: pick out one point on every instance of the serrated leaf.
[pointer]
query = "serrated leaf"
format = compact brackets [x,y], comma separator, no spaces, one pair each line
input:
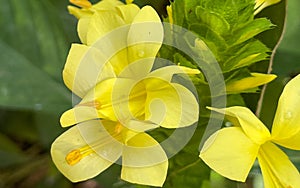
[249,30]
[248,54]
[215,21]
[212,39]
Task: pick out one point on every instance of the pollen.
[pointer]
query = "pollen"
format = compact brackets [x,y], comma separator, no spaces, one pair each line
[74,157]
[82,3]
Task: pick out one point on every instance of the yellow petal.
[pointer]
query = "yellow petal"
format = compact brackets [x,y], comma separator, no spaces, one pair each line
[128,12]
[107,5]
[145,35]
[82,29]
[138,70]
[79,13]
[88,167]
[103,137]
[256,79]
[167,72]
[230,153]
[277,169]
[77,115]
[250,124]
[85,67]
[101,23]
[163,104]
[144,161]
[286,123]
[261,4]
[189,106]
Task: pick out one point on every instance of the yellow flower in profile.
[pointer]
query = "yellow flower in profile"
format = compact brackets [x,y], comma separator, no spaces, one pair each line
[261,4]
[249,83]
[232,151]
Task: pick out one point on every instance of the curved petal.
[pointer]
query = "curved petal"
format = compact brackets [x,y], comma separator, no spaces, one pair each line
[250,124]
[230,153]
[139,69]
[287,118]
[167,72]
[253,81]
[88,167]
[261,4]
[107,5]
[277,169]
[82,28]
[145,35]
[140,167]
[77,115]
[163,104]
[85,67]
[128,12]
[189,106]
[101,23]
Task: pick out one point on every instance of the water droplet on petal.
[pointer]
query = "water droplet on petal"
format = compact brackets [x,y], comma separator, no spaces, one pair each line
[141,53]
[288,115]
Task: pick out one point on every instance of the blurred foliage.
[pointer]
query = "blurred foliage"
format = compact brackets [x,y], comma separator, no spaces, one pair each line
[34,40]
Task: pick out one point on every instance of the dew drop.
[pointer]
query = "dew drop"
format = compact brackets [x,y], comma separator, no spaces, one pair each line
[141,53]
[288,115]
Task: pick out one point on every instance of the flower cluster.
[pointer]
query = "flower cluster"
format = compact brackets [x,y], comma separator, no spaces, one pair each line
[122,95]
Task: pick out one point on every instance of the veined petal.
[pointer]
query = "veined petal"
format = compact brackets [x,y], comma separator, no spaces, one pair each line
[128,12]
[101,23]
[250,124]
[85,67]
[277,169]
[144,161]
[103,137]
[145,35]
[286,123]
[88,167]
[255,80]
[230,153]
[163,105]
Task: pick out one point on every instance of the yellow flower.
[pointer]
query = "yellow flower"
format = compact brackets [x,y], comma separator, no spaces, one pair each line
[232,151]
[122,97]
[97,20]
[261,4]
[87,149]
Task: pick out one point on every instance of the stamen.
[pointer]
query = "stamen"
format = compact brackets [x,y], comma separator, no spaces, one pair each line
[81,3]
[76,155]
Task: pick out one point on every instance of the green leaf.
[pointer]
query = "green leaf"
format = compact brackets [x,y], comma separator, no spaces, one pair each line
[245,55]
[22,85]
[249,30]
[215,21]
[10,154]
